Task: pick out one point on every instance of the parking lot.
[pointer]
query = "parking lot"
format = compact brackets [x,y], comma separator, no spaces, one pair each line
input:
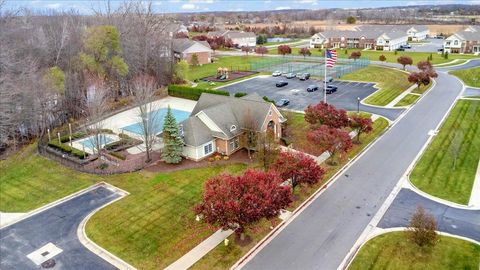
[346,96]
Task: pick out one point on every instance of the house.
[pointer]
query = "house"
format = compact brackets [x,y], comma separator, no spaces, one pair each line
[239,38]
[174,29]
[379,37]
[184,49]
[466,41]
[217,123]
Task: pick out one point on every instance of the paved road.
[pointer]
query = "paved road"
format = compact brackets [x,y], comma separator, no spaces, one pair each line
[322,235]
[433,46]
[344,98]
[471,92]
[57,225]
[450,220]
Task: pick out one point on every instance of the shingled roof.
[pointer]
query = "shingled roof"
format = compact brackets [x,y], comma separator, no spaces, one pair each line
[226,112]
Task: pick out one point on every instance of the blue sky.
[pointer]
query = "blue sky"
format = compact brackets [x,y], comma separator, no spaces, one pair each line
[224,5]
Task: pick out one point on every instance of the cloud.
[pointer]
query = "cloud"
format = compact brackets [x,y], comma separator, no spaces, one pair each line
[282,8]
[53,6]
[202,1]
[189,6]
[306,1]
[267,2]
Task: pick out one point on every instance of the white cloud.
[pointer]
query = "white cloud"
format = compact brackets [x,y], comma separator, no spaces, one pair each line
[189,7]
[282,8]
[201,1]
[306,1]
[53,6]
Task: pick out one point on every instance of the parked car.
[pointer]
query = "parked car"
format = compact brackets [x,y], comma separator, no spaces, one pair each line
[408,46]
[276,73]
[400,49]
[304,76]
[281,83]
[290,75]
[295,91]
[328,79]
[440,50]
[312,88]
[331,89]
[282,102]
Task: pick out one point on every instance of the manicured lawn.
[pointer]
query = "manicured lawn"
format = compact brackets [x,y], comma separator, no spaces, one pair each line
[279,43]
[28,181]
[391,56]
[458,62]
[155,224]
[392,82]
[407,100]
[436,173]
[393,251]
[470,77]
[422,89]
[230,62]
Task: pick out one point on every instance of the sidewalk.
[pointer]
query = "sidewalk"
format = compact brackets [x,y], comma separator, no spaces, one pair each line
[475,196]
[189,259]
[401,96]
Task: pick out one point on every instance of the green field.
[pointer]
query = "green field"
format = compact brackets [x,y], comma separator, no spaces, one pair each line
[28,181]
[448,166]
[393,251]
[230,62]
[407,100]
[391,56]
[392,82]
[470,77]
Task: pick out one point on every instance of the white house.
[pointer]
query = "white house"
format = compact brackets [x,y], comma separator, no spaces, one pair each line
[418,32]
[391,41]
[467,41]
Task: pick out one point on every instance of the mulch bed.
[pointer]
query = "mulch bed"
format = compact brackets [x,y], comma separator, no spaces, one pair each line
[232,76]
[239,157]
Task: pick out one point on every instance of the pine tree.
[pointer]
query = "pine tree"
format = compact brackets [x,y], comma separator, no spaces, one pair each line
[173,143]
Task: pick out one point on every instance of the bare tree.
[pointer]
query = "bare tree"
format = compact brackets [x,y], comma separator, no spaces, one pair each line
[422,228]
[95,108]
[143,89]
[267,149]
[250,135]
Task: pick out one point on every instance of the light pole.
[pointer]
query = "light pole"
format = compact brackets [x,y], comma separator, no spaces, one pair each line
[358,104]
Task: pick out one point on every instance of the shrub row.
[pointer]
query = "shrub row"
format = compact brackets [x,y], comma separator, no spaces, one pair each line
[81,134]
[192,93]
[240,94]
[67,149]
[118,155]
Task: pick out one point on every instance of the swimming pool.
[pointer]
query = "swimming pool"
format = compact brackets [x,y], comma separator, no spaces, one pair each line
[89,142]
[159,115]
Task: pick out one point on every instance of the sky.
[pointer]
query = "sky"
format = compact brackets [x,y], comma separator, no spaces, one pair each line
[86,7]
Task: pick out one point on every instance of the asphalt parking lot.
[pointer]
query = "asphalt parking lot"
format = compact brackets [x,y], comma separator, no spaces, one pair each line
[58,226]
[432,46]
[345,97]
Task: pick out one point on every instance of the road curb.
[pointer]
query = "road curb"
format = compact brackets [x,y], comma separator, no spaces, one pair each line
[95,248]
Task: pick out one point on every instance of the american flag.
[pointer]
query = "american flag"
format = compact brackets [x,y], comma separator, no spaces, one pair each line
[331,58]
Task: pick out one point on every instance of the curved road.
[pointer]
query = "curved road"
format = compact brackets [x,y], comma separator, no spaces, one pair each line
[57,225]
[321,235]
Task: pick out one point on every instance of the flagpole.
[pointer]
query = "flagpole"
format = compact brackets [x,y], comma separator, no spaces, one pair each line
[325,80]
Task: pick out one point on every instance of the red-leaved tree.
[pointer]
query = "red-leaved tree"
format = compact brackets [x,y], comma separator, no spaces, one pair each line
[382,58]
[298,168]
[305,52]
[332,140]
[326,114]
[228,43]
[214,46]
[404,61]
[419,78]
[355,55]
[284,49]
[361,124]
[246,50]
[234,202]
[261,50]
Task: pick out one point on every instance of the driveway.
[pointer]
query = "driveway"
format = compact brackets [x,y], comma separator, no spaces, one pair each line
[471,92]
[57,225]
[433,46]
[451,220]
[345,98]
[322,234]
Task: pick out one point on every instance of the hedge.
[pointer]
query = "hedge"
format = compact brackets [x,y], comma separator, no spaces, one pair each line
[67,149]
[192,93]
[268,100]
[240,94]
[118,155]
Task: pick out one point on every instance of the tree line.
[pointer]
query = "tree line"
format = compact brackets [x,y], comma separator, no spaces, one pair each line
[51,63]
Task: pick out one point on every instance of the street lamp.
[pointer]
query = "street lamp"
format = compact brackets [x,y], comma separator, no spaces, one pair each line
[358,104]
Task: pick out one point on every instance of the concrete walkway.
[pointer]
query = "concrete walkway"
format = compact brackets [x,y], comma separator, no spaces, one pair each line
[7,218]
[475,196]
[401,96]
[189,259]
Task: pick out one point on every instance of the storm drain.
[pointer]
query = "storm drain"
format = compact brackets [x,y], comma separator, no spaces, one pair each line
[44,254]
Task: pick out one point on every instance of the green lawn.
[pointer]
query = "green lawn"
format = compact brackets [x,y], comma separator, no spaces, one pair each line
[470,77]
[279,43]
[391,56]
[155,224]
[230,62]
[393,251]
[436,173]
[460,61]
[407,100]
[28,181]
[392,82]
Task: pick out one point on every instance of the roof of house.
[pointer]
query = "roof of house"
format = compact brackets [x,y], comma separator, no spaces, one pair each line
[226,112]
[231,34]
[373,31]
[182,44]
[472,34]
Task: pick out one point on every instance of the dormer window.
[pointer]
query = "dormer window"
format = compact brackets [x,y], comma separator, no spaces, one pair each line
[233,128]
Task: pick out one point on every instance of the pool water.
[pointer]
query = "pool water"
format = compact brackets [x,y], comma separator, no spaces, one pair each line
[159,116]
[90,141]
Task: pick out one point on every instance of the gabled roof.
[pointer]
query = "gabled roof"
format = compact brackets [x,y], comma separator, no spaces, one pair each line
[182,44]
[226,112]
